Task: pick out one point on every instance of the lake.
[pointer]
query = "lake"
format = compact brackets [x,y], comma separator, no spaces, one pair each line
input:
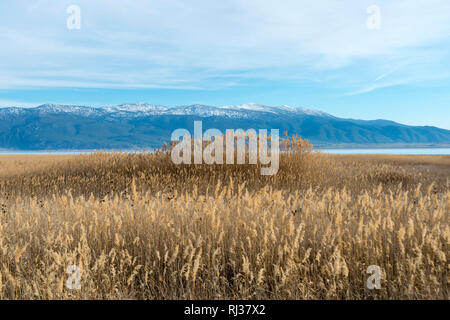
[401,151]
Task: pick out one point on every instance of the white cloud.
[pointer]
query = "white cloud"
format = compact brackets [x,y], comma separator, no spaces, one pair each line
[14,103]
[201,43]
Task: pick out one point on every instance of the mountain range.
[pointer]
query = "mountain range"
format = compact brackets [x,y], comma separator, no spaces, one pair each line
[131,126]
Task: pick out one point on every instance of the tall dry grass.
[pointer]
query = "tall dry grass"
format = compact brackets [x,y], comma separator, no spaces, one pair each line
[139,227]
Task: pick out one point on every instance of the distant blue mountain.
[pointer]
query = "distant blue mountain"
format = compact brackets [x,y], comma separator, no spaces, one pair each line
[128,126]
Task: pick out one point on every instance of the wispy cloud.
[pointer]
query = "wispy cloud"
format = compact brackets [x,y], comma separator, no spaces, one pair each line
[13,103]
[371,88]
[210,44]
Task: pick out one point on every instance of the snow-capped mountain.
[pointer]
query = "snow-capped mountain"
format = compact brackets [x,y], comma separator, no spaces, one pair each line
[75,110]
[145,109]
[143,125]
[137,109]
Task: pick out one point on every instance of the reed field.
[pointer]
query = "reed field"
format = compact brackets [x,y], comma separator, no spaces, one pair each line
[140,227]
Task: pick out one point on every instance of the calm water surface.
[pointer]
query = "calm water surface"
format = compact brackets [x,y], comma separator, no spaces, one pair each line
[405,151]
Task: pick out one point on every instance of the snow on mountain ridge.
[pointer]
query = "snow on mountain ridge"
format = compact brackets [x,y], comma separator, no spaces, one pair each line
[139,107]
[284,108]
[144,109]
[249,106]
[206,111]
[72,109]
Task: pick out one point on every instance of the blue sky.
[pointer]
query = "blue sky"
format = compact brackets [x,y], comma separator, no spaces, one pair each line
[315,54]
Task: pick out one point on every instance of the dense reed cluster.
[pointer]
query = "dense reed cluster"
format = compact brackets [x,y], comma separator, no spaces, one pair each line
[139,227]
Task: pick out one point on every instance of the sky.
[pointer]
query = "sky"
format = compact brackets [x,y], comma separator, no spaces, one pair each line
[377,59]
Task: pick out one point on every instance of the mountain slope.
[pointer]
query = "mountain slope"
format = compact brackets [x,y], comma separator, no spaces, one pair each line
[52,127]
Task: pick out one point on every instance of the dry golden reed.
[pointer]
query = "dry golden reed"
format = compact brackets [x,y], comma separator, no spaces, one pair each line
[139,227]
